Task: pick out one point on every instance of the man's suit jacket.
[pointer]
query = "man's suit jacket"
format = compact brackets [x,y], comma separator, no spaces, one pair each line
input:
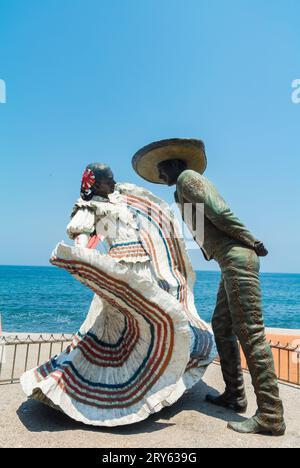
[222,229]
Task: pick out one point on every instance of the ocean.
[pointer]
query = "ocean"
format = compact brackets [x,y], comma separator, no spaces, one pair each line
[47,299]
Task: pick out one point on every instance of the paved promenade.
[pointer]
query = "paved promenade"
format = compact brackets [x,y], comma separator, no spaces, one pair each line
[189,423]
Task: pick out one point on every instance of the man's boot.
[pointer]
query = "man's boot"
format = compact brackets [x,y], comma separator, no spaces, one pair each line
[254,426]
[229,401]
[269,417]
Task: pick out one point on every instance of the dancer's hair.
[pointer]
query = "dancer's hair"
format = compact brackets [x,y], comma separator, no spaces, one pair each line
[93,173]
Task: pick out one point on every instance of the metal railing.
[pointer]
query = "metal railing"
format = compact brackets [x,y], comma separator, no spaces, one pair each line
[286,360]
[20,353]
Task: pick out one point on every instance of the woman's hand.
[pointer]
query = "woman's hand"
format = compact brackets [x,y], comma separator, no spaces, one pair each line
[82,240]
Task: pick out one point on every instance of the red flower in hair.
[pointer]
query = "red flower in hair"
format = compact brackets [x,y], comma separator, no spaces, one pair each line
[88,180]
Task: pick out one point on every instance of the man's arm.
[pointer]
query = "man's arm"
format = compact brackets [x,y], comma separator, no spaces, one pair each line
[195,188]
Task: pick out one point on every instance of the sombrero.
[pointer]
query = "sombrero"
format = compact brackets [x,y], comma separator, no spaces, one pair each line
[146,160]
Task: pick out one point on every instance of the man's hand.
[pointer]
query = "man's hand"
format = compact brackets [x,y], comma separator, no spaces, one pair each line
[260,249]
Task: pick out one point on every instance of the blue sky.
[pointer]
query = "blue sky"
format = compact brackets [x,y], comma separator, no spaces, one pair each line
[97,79]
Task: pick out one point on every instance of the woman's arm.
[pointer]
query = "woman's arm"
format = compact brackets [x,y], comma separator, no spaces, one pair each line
[82,226]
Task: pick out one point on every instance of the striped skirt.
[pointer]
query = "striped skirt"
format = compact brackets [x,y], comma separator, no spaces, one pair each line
[134,354]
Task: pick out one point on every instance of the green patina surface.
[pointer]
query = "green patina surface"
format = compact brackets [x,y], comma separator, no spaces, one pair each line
[238,312]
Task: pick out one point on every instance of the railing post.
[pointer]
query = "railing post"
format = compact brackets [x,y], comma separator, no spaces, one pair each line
[1,346]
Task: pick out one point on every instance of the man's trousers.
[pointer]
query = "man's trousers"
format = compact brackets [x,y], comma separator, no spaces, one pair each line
[238,314]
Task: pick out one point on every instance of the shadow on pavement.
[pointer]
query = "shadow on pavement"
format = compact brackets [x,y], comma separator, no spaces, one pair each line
[37,417]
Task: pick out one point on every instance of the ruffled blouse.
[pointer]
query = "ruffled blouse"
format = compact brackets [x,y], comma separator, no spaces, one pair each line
[113,221]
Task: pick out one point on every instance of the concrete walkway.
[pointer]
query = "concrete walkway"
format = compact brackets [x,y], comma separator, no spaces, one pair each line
[189,423]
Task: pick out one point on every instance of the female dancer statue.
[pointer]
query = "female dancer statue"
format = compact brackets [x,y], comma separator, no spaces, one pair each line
[143,343]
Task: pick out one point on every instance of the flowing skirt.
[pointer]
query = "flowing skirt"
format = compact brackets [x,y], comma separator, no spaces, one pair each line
[135,353]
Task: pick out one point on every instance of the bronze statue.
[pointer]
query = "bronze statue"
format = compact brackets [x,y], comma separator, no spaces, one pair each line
[238,312]
[142,343]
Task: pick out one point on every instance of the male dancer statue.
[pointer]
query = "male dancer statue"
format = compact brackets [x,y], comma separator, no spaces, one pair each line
[238,312]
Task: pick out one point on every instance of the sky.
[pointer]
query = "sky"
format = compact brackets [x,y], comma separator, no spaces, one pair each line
[94,80]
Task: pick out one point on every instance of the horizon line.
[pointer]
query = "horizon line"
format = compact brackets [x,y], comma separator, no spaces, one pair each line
[195,269]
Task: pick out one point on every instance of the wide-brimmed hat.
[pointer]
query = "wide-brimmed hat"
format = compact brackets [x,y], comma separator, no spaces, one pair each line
[190,150]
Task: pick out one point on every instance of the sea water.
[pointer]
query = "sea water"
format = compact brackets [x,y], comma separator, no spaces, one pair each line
[47,299]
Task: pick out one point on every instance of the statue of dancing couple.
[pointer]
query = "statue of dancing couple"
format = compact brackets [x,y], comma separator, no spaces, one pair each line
[143,343]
